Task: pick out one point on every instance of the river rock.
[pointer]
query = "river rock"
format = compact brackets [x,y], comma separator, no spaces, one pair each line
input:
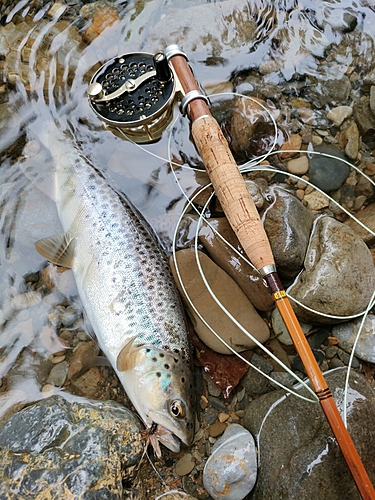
[287,224]
[249,280]
[231,470]
[349,140]
[339,114]
[366,217]
[346,335]
[338,276]
[298,457]
[175,495]
[327,173]
[228,293]
[251,130]
[69,448]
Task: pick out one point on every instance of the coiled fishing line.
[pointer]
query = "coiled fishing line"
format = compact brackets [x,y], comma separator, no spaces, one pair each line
[253,165]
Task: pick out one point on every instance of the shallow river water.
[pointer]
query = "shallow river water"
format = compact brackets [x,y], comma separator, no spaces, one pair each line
[277,50]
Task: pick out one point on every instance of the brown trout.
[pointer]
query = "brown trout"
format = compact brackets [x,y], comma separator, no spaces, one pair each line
[127,290]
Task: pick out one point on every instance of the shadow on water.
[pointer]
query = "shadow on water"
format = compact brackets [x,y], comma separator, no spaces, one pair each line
[48,53]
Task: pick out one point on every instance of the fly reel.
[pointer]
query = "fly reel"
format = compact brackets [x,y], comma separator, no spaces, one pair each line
[133,94]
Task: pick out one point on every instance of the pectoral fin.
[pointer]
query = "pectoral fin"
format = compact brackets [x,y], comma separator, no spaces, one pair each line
[124,358]
[57,249]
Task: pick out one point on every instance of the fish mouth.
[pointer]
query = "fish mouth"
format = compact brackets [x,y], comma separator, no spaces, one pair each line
[167,433]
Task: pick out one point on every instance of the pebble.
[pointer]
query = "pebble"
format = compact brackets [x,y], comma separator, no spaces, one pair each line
[298,166]
[316,200]
[339,114]
[346,335]
[83,355]
[185,465]
[338,276]
[229,294]
[367,217]
[231,470]
[217,428]
[293,144]
[58,374]
[349,140]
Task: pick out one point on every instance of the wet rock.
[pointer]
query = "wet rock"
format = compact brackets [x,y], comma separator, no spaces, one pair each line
[339,114]
[298,166]
[87,384]
[185,465]
[327,173]
[243,274]
[83,355]
[58,374]
[298,458]
[316,200]
[366,217]
[255,382]
[287,224]
[228,293]
[251,131]
[363,116]
[290,147]
[349,140]
[86,453]
[231,470]
[346,335]
[372,99]
[338,276]
[102,19]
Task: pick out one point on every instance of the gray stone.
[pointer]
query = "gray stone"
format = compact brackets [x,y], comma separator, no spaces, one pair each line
[247,278]
[231,470]
[253,381]
[346,335]
[338,277]
[62,448]
[326,173]
[287,224]
[298,457]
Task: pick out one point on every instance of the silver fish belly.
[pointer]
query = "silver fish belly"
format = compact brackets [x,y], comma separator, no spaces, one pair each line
[128,292]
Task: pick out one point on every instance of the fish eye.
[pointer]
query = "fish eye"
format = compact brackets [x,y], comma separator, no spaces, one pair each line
[178,408]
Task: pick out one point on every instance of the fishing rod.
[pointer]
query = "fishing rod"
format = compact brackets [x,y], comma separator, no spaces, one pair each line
[133,95]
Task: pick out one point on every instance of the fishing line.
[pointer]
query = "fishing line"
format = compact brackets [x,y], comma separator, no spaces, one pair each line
[315,400]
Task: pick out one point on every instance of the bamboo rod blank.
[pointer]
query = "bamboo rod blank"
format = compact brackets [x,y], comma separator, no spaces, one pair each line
[244,219]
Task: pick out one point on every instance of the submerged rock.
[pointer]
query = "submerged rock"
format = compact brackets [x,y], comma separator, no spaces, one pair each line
[339,274]
[60,448]
[298,457]
[230,296]
[231,470]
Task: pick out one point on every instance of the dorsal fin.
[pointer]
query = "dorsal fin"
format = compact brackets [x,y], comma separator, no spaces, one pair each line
[57,249]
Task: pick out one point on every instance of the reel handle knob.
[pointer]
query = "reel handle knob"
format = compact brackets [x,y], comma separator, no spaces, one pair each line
[95,91]
[163,71]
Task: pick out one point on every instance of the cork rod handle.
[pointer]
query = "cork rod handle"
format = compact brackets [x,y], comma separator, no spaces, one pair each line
[224,174]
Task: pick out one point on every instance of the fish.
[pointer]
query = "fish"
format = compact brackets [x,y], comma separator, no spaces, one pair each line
[126,287]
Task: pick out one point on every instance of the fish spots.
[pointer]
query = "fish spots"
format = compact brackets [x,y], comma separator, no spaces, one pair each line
[166,366]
